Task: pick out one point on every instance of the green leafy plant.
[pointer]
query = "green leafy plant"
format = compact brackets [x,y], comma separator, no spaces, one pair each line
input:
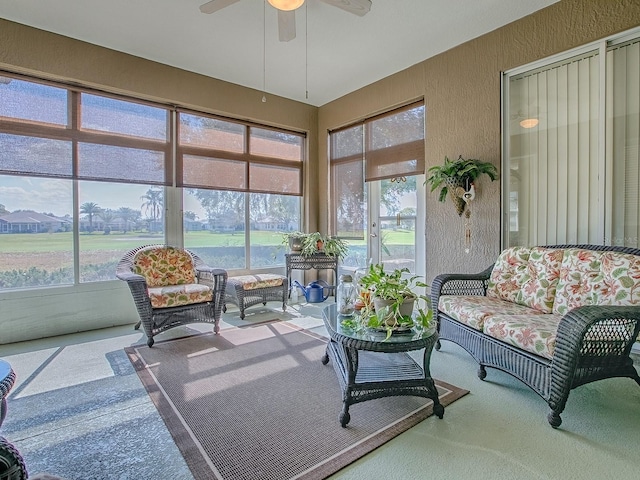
[394,289]
[461,173]
[315,242]
[289,238]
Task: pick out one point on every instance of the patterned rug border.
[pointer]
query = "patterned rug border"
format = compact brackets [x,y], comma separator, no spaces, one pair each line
[198,460]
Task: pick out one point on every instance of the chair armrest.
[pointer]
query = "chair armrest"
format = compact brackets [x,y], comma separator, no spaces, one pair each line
[459,284]
[216,278]
[129,276]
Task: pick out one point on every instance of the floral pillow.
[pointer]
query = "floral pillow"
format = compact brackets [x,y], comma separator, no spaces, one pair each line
[588,277]
[164,266]
[527,276]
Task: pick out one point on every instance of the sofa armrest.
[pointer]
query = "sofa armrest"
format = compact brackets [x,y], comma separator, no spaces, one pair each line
[459,284]
[592,337]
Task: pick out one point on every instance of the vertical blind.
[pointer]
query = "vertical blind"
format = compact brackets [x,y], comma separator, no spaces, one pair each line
[554,192]
[623,126]
[564,186]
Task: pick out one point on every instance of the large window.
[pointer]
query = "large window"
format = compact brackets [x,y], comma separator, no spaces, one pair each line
[571,148]
[75,173]
[84,177]
[241,189]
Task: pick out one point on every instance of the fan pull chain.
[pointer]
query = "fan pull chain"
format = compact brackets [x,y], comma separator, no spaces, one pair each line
[306,51]
[264,52]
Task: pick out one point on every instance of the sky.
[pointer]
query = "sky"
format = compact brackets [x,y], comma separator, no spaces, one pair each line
[47,195]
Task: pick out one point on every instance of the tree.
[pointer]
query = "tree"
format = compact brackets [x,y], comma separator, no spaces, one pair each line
[128,215]
[189,215]
[107,216]
[153,204]
[90,209]
[224,208]
[186,218]
[392,192]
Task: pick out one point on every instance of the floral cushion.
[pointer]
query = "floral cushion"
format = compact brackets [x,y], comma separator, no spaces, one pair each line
[527,276]
[164,266]
[473,310]
[252,282]
[533,333]
[177,295]
[597,278]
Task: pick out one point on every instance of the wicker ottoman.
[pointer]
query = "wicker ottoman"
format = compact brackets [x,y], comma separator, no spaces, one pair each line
[248,290]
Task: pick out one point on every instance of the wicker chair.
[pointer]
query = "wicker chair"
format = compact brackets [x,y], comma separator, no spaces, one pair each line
[171,287]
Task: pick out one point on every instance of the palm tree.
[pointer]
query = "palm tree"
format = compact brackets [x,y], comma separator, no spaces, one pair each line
[90,209]
[127,215]
[153,201]
[107,216]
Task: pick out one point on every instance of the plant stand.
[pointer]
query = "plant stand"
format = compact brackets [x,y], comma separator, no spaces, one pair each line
[318,261]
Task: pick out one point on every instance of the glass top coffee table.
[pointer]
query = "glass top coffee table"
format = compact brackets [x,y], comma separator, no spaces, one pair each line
[369,365]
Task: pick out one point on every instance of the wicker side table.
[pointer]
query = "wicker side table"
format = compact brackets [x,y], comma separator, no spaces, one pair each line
[317,261]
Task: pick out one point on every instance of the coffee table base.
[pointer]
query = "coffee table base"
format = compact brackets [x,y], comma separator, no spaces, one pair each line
[366,375]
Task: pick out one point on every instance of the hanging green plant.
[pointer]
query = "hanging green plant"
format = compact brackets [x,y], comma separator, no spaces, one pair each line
[455,178]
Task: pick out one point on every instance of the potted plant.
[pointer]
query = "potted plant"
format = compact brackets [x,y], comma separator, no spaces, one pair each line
[457,178]
[390,298]
[293,240]
[311,243]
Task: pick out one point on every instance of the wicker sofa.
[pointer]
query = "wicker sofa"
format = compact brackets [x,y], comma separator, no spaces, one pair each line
[554,317]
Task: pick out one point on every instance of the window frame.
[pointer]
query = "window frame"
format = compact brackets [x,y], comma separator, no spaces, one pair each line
[173,230]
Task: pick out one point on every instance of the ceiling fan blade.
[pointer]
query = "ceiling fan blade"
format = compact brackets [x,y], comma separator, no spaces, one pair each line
[215,5]
[357,7]
[286,25]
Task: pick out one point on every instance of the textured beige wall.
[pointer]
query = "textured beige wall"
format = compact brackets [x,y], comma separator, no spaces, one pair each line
[461,89]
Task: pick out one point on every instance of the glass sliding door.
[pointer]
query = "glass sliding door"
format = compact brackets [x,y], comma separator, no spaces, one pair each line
[377,191]
[396,238]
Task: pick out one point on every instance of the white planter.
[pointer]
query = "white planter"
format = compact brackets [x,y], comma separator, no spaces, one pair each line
[405,309]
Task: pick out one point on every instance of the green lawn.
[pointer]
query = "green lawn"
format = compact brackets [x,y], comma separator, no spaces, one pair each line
[55,242]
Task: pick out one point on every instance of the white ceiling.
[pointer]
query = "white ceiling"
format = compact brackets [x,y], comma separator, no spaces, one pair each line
[336,53]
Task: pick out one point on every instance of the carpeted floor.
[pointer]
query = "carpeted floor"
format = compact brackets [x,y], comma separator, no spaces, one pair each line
[257,403]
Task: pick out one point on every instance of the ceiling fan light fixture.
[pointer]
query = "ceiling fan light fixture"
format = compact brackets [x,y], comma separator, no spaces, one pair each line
[529,122]
[286,5]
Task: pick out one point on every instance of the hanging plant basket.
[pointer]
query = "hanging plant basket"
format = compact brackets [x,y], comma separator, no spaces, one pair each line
[456,178]
[453,187]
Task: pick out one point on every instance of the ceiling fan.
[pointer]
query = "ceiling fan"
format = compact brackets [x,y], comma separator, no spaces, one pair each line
[286,12]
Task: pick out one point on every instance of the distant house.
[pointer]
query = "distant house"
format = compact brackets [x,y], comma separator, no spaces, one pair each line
[194,225]
[32,222]
[271,224]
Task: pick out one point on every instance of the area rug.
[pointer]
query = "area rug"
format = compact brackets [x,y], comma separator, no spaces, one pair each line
[256,403]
